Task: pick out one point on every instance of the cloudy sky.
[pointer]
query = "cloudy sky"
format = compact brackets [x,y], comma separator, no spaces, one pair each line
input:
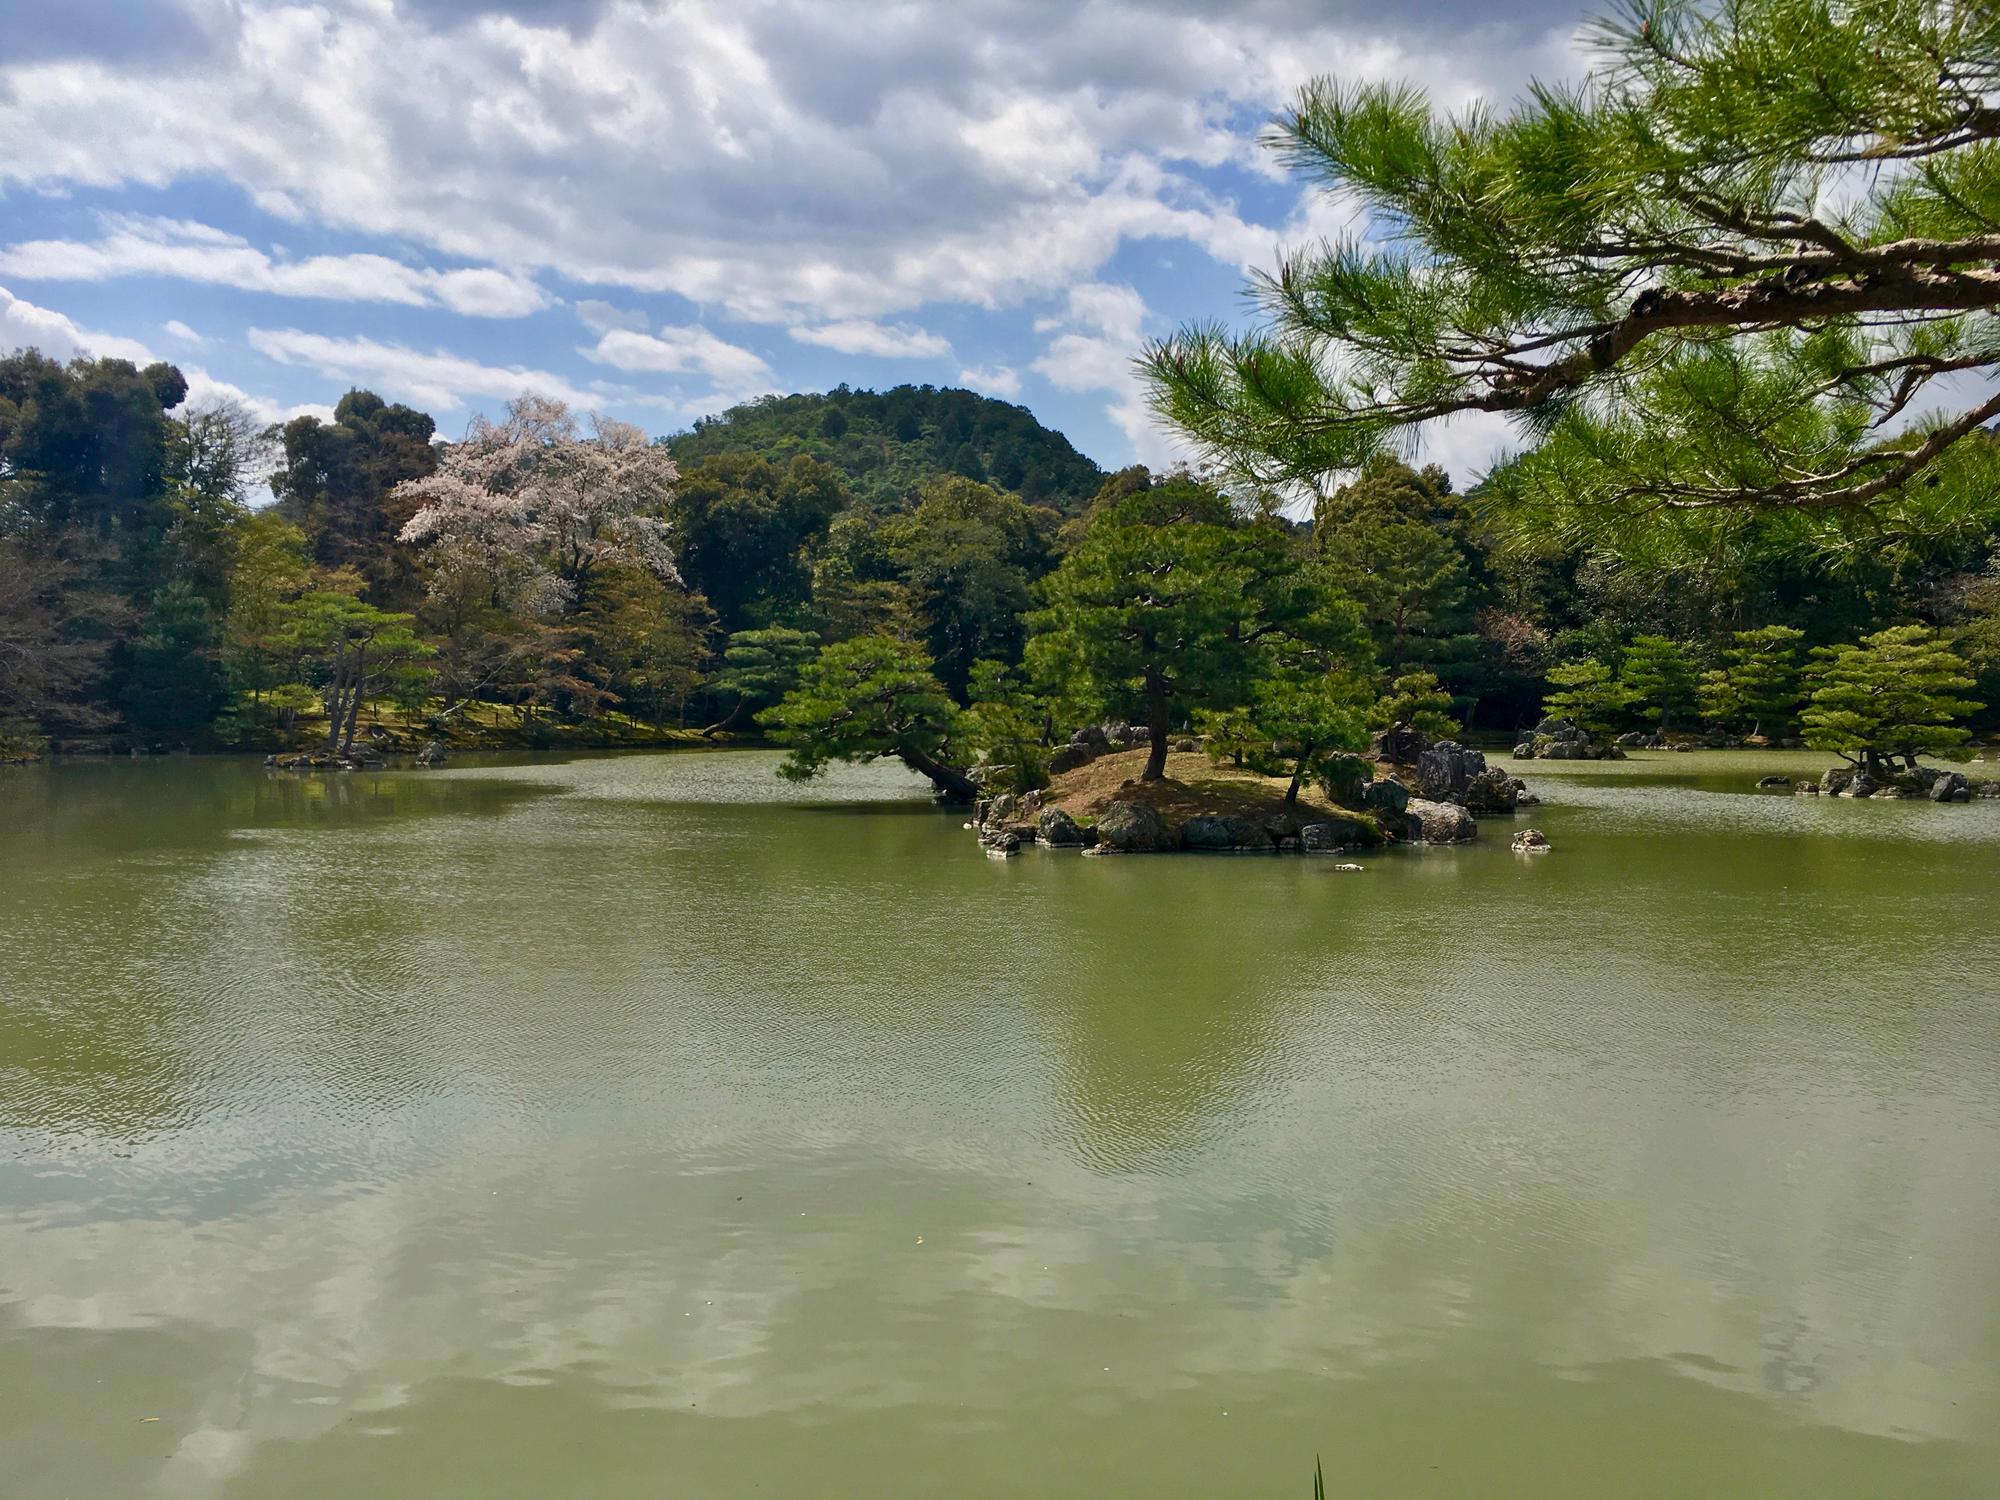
[656,209]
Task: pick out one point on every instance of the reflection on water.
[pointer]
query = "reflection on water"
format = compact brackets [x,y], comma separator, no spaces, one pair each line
[625,1126]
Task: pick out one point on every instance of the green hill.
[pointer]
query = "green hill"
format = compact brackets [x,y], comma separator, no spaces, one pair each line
[890,443]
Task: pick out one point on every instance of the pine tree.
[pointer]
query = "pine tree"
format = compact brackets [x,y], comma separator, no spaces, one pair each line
[1760,686]
[1417,699]
[1702,282]
[1894,694]
[1588,695]
[1659,676]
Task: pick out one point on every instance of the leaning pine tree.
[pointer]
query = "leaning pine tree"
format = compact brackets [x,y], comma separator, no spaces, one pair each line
[1722,287]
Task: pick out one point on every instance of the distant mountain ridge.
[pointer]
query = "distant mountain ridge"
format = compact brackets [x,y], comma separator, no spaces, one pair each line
[889,444]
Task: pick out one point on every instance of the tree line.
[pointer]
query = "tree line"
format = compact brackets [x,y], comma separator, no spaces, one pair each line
[549,575]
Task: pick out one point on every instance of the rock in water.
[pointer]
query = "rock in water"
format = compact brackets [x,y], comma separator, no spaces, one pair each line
[1774,783]
[1491,791]
[1444,769]
[1950,786]
[1225,833]
[1133,828]
[1329,834]
[1059,830]
[1531,841]
[1440,822]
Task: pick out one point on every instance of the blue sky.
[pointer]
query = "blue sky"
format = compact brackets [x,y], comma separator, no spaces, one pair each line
[658,209]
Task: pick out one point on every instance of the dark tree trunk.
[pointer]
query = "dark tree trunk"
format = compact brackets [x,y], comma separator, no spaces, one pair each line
[1156,726]
[355,689]
[953,786]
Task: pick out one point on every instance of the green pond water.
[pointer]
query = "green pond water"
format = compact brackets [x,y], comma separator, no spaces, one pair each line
[642,1126]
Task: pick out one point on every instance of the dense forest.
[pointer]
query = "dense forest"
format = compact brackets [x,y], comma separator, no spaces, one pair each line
[887,445]
[177,577]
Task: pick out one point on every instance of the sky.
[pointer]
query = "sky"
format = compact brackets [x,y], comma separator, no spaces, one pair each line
[656,210]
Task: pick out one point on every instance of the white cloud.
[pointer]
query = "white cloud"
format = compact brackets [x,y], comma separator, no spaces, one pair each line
[827,163]
[175,328]
[735,371]
[1000,380]
[861,336]
[436,378]
[23,325]
[188,251]
[1102,332]
[602,317]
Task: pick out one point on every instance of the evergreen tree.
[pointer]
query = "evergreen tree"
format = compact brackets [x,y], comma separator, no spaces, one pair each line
[1658,675]
[1703,283]
[173,679]
[1588,695]
[1417,699]
[1760,685]
[759,667]
[865,699]
[1896,693]
[1165,605]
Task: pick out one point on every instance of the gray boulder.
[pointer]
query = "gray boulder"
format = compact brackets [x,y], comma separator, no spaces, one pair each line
[1531,841]
[1069,757]
[432,754]
[1330,834]
[1133,828]
[1835,780]
[1774,783]
[1001,844]
[1059,830]
[1389,796]
[1950,786]
[1400,744]
[1224,832]
[1444,770]
[998,810]
[1491,790]
[1525,750]
[1440,822]
[1092,738]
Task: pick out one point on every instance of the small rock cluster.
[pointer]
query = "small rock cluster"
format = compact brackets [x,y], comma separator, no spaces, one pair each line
[1094,740]
[1925,782]
[1562,739]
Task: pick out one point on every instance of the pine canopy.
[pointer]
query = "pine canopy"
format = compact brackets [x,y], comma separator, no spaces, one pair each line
[1746,270]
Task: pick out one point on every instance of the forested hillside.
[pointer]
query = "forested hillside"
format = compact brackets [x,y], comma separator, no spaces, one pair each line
[889,444]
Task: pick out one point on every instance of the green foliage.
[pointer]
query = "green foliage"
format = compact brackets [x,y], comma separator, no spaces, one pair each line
[866,698]
[1006,724]
[174,682]
[1165,604]
[1759,688]
[1417,699]
[888,445]
[1705,284]
[1587,693]
[965,557]
[337,482]
[1658,675]
[742,524]
[759,667]
[1388,543]
[1896,693]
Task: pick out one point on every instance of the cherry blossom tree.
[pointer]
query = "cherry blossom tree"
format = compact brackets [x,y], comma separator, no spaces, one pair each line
[539,505]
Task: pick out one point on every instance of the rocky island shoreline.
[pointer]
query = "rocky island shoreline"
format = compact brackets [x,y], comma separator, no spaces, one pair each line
[1410,789]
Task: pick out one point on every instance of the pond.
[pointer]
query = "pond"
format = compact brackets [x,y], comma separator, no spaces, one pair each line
[643,1125]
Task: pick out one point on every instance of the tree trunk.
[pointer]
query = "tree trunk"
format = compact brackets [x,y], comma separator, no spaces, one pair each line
[1292,791]
[1156,726]
[953,786]
[357,688]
